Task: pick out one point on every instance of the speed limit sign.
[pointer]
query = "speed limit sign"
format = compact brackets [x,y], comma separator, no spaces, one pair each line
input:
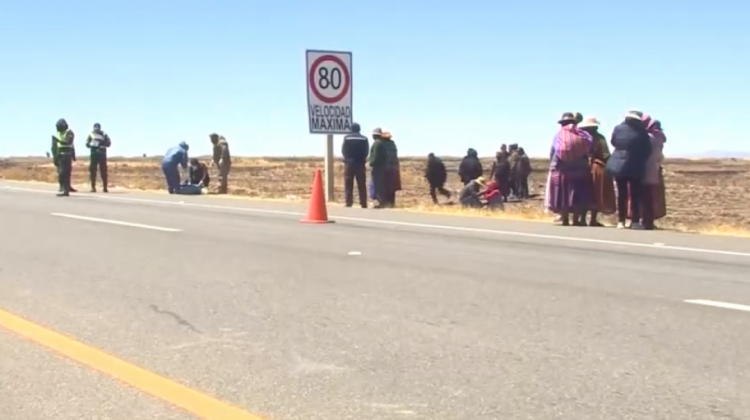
[329,91]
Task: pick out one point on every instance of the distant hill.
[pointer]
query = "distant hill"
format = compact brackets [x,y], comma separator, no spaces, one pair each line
[717,154]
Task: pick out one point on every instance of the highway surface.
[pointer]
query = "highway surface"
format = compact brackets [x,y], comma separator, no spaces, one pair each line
[148,306]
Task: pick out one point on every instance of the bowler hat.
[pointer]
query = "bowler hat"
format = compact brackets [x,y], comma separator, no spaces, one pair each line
[567,117]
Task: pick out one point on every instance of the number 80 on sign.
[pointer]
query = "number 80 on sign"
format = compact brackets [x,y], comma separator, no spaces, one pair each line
[329,91]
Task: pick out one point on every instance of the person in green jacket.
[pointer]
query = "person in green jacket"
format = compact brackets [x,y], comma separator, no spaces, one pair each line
[98,142]
[377,160]
[222,159]
[63,153]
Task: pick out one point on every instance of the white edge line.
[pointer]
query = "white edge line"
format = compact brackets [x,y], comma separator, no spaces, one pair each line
[115,222]
[418,225]
[718,304]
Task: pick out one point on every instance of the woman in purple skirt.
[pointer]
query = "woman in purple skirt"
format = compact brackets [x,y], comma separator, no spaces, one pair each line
[570,186]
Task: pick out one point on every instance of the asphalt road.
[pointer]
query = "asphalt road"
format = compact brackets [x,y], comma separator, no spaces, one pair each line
[381,315]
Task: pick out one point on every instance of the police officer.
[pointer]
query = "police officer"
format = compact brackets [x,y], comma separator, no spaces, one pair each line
[355,149]
[98,142]
[222,159]
[63,153]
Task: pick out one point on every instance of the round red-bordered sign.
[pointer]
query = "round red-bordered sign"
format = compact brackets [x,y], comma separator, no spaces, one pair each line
[344,70]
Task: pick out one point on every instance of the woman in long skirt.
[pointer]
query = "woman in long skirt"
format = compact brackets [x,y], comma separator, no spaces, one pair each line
[603,200]
[569,187]
[654,177]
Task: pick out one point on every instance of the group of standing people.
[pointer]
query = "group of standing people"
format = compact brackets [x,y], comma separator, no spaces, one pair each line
[385,170]
[584,173]
[581,181]
[63,155]
[510,171]
[509,178]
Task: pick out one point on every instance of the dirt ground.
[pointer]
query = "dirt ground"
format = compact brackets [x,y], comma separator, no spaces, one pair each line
[702,195]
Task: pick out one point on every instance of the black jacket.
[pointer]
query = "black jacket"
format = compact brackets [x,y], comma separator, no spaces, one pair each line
[632,148]
[355,149]
[501,168]
[435,172]
[470,167]
[199,175]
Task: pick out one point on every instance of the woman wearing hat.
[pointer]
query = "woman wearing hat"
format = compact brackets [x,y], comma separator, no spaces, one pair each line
[576,117]
[654,191]
[570,176]
[392,170]
[603,199]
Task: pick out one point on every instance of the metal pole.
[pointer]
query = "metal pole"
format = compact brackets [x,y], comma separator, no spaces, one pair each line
[329,168]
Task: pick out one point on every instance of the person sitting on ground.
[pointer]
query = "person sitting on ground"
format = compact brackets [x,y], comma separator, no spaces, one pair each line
[471,194]
[492,198]
[198,173]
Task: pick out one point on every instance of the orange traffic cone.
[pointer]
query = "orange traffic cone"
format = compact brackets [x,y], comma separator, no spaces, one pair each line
[317,211]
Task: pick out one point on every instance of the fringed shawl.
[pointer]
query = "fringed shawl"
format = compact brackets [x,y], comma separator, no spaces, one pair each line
[571,143]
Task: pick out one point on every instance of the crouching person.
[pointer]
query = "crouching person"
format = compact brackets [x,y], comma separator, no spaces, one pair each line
[472,192]
[174,158]
[198,179]
[492,197]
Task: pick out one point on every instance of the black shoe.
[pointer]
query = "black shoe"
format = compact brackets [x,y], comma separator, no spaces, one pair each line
[105,190]
[63,194]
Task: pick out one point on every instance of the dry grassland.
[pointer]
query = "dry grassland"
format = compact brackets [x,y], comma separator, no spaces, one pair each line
[707,196]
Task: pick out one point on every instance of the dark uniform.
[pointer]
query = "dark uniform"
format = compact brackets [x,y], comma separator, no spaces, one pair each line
[63,153]
[98,142]
[436,176]
[500,172]
[470,167]
[222,160]
[355,149]
[525,173]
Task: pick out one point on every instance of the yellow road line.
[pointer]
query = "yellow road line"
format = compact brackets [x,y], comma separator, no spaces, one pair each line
[195,402]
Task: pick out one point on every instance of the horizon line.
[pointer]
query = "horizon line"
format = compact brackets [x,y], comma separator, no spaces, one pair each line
[311,157]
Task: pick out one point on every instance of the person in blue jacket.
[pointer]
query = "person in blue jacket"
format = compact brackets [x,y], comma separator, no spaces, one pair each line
[174,158]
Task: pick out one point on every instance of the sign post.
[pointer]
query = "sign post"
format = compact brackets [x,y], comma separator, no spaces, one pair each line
[329,101]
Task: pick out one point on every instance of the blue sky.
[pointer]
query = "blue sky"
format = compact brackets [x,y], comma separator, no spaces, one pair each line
[442,78]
